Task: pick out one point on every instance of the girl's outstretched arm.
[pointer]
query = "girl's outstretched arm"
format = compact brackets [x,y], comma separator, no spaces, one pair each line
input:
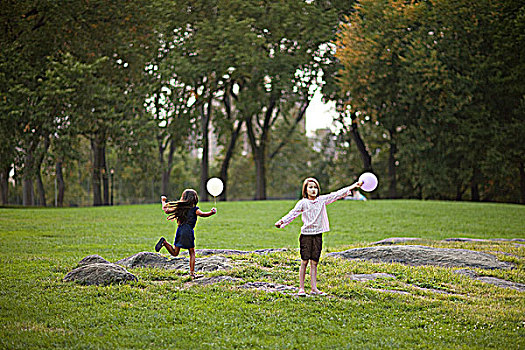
[205,214]
[295,212]
[343,192]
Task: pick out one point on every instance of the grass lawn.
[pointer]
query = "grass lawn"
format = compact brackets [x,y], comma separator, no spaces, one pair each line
[38,247]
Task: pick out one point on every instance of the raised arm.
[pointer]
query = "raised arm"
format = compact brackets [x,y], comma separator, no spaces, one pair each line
[205,214]
[295,212]
[343,192]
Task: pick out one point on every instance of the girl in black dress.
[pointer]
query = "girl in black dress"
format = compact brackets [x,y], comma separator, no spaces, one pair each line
[186,212]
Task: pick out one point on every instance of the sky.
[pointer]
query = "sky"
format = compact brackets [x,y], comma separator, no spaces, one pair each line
[319,115]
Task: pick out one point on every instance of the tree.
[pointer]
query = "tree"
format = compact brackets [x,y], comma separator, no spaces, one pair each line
[25,45]
[427,72]
[280,83]
[370,48]
[120,38]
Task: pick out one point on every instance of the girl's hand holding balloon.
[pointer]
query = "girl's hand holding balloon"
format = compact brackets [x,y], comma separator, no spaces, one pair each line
[214,210]
[368,182]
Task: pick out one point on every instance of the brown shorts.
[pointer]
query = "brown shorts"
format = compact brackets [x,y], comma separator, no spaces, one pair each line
[311,246]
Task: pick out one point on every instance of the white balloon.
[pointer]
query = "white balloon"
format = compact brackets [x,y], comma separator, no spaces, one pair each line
[369,182]
[215,186]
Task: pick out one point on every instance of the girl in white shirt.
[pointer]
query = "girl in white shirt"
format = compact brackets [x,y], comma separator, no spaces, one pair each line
[315,221]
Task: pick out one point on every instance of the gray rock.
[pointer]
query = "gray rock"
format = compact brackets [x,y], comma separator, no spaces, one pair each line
[502,283]
[466,272]
[395,240]
[100,274]
[507,254]
[416,255]
[393,291]
[509,239]
[206,252]
[430,290]
[492,280]
[149,259]
[370,276]
[269,287]
[214,280]
[92,259]
[459,239]
[213,263]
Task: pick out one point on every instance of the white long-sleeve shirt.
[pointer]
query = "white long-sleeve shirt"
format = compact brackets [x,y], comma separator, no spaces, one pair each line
[315,218]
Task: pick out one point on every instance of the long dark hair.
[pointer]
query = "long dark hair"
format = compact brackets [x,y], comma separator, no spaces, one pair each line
[179,209]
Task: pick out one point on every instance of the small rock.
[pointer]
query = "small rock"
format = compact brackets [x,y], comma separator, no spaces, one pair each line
[492,280]
[370,276]
[460,239]
[214,280]
[393,291]
[269,287]
[502,283]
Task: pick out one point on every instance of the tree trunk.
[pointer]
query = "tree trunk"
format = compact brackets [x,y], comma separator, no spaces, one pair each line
[167,169]
[522,182]
[474,186]
[260,171]
[259,159]
[28,192]
[60,184]
[205,124]
[227,158]
[365,156]
[392,190]
[4,184]
[259,150]
[28,198]
[459,192]
[38,166]
[96,146]
[41,190]
[105,175]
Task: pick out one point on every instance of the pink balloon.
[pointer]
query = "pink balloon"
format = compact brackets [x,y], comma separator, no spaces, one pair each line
[369,182]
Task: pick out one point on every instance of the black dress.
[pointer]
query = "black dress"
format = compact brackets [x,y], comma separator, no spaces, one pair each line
[185,237]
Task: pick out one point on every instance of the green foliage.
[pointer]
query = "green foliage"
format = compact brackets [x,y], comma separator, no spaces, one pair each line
[39,246]
[429,73]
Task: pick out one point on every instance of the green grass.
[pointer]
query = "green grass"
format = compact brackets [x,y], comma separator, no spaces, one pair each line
[39,246]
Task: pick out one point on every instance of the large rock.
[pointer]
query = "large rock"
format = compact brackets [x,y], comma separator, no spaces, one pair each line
[100,274]
[149,259]
[416,255]
[206,252]
[395,240]
[92,259]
